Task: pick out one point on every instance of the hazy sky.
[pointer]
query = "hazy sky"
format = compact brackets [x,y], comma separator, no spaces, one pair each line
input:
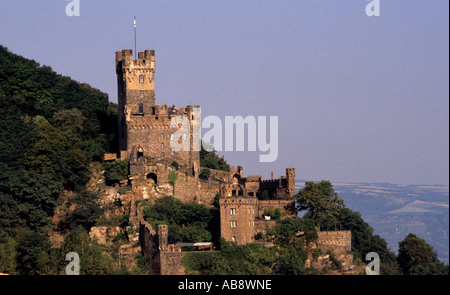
[359,99]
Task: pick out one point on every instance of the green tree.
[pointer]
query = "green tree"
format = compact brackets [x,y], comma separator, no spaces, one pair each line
[85,213]
[187,222]
[116,171]
[210,159]
[33,254]
[321,201]
[93,261]
[204,174]
[363,241]
[291,263]
[173,179]
[415,256]
[69,120]
[7,254]
[286,230]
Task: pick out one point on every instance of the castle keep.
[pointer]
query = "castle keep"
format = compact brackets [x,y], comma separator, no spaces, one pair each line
[144,128]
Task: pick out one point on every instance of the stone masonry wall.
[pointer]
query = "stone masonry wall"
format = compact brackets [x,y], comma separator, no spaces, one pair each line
[149,241]
[237,218]
[171,263]
[286,206]
[339,242]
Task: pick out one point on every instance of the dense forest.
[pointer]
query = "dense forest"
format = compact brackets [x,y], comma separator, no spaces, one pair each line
[51,129]
[54,130]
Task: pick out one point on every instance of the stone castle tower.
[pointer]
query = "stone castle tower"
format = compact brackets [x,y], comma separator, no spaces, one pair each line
[145,128]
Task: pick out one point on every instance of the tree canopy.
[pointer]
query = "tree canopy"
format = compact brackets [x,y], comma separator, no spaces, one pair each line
[320,200]
[415,256]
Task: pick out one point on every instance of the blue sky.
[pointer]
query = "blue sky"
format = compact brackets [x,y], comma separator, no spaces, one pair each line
[361,99]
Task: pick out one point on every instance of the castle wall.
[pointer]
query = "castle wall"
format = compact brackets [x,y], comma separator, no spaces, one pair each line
[219,174]
[339,242]
[171,263]
[286,206]
[149,241]
[187,187]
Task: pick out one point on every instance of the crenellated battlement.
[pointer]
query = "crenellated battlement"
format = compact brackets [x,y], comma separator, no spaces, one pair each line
[268,181]
[253,178]
[226,201]
[144,60]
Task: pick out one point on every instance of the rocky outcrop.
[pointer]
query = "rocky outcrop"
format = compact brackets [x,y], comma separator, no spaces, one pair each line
[104,234]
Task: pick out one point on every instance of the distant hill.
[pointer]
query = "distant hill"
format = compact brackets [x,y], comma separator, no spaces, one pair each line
[396,210]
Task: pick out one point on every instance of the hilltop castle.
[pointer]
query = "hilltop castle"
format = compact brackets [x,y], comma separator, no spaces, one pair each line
[145,139]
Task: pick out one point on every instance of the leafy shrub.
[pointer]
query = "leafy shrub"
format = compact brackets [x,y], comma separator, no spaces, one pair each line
[274,214]
[204,174]
[116,171]
[123,190]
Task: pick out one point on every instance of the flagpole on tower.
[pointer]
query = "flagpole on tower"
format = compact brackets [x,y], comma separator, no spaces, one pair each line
[134,37]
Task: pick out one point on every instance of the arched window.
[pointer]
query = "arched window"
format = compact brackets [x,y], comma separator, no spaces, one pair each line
[140,152]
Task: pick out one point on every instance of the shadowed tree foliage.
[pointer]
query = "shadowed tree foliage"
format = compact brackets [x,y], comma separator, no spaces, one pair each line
[415,256]
[188,222]
[7,254]
[320,200]
[34,255]
[116,171]
[93,261]
[172,180]
[210,159]
[364,242]
[51,128]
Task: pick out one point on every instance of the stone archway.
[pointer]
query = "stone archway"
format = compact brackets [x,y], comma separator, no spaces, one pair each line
[152,178]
